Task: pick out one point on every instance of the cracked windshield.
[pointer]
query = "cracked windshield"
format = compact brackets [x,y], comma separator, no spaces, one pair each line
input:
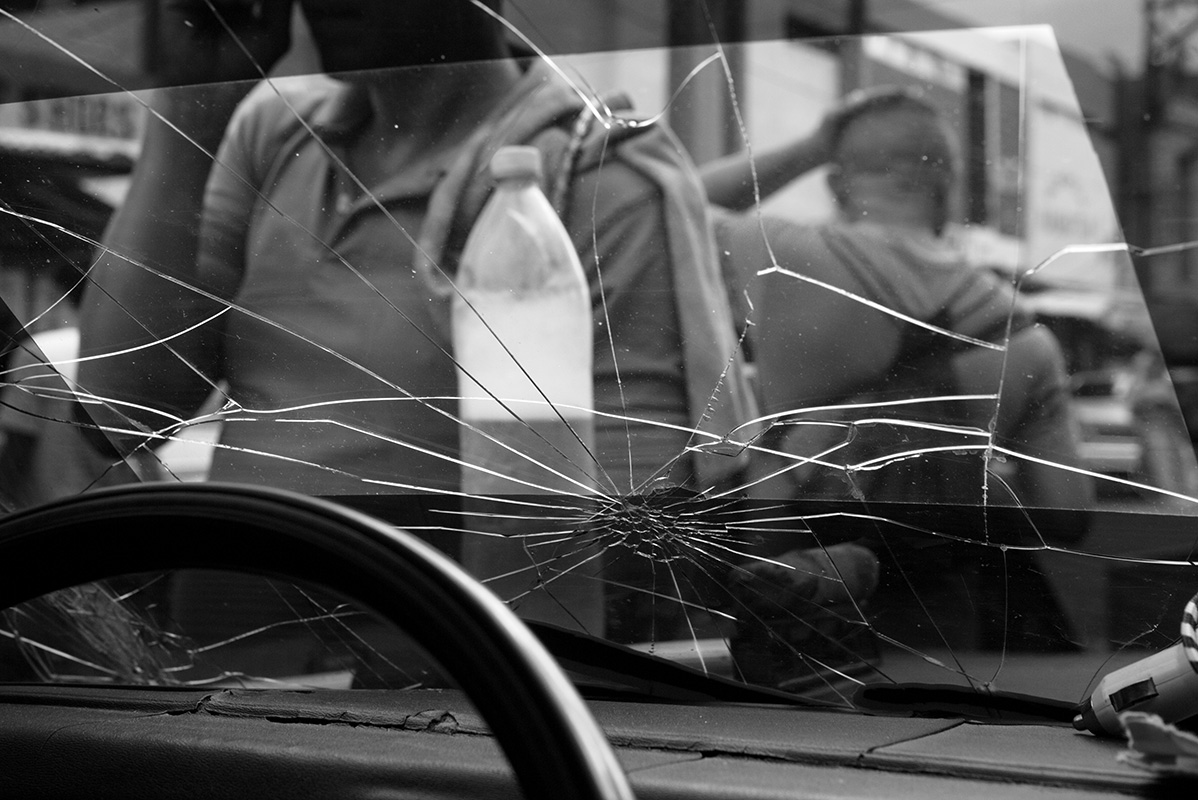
[809,346]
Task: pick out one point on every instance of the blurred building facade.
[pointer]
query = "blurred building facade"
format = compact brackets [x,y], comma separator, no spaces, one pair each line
[63,59]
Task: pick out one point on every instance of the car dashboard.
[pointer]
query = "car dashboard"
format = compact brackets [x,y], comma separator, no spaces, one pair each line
[432,743]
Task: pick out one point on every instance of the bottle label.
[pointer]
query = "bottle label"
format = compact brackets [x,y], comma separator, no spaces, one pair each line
[531,352]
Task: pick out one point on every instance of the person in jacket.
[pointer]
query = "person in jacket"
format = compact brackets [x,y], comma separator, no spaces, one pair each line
[896,372]
[313,295]
[879,305]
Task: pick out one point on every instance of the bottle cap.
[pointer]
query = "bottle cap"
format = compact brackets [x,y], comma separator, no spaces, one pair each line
[516,161]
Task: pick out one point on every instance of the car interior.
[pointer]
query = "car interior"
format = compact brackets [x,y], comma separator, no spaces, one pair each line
[817,423]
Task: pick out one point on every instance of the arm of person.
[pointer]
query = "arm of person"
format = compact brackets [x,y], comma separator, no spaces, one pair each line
[141,366]
[739,181]
[150,348]
[1035,417]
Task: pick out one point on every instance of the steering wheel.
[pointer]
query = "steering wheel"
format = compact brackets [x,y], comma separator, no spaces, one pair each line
[548,734]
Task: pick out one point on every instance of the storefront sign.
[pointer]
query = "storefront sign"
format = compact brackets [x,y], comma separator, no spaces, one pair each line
[102,126]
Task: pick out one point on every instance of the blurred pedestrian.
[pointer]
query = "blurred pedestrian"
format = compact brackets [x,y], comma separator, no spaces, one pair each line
[942,388]
[900,315]
[308,274]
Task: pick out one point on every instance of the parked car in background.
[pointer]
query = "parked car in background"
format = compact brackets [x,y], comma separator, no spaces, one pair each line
[1131,428]
[1106,414]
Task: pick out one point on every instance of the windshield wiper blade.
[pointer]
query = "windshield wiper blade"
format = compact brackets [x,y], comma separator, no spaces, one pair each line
[604,669]
[960,702]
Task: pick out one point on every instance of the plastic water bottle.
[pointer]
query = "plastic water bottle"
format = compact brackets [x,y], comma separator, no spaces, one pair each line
[522,338]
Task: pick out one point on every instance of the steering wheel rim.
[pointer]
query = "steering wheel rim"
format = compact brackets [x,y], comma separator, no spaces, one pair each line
[548,734]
